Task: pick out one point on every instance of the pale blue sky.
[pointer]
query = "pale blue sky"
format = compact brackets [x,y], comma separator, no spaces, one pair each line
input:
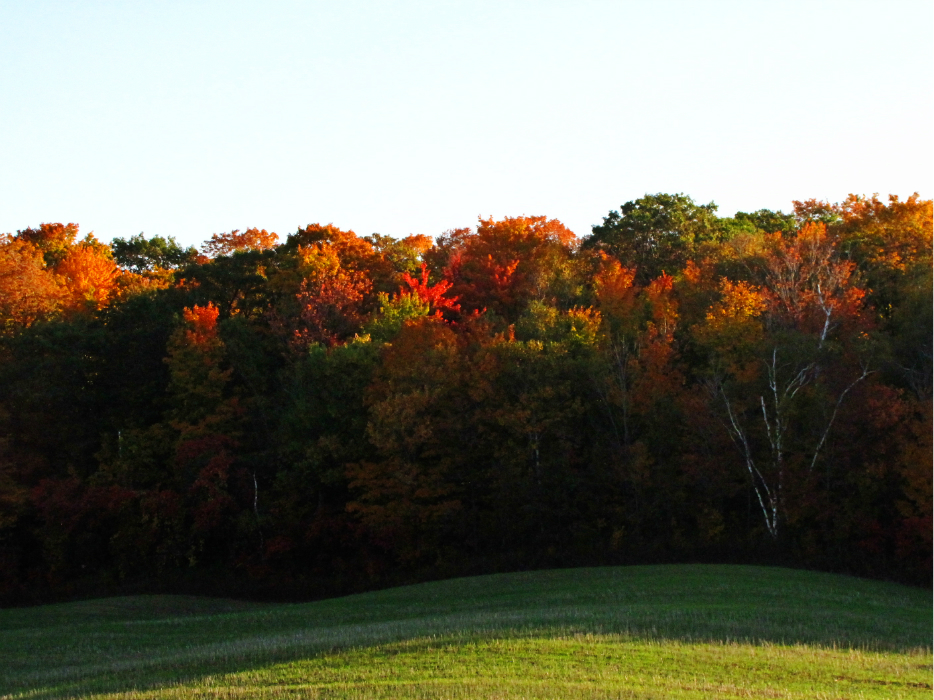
[189,118]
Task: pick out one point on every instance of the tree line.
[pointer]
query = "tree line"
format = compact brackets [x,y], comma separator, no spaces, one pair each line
[337,412]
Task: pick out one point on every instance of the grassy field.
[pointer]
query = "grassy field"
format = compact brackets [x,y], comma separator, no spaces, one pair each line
[684,631]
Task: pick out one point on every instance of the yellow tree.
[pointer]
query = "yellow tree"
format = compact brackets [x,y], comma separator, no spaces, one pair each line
[88,275]
[54,240]
[29,291]
[227,243]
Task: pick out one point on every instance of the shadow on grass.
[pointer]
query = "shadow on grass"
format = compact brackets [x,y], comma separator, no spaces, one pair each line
[148,642]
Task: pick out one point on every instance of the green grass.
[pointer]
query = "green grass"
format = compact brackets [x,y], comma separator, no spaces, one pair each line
[686,631]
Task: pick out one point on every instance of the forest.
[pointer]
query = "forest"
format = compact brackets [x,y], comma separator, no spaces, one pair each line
[333,413]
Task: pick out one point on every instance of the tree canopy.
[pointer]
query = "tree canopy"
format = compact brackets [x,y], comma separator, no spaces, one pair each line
[336,412]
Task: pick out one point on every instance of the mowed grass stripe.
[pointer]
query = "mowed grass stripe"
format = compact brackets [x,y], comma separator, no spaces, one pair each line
[156,641]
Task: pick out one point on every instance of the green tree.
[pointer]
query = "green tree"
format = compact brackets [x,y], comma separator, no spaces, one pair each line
[139,254]
[657,233]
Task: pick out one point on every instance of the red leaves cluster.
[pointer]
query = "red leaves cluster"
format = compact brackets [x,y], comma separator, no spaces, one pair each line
[330,308]
[505,262]
[202,324]
[433,295]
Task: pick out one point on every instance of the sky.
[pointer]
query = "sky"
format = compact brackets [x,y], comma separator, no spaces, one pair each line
[197,117]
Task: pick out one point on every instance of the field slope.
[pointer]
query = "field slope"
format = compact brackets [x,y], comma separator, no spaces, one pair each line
[689,631]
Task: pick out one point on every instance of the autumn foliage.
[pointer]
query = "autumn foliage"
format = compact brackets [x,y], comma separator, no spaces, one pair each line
[337,412]
[235,241]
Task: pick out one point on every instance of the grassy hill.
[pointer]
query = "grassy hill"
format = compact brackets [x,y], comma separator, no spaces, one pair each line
[648,631]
